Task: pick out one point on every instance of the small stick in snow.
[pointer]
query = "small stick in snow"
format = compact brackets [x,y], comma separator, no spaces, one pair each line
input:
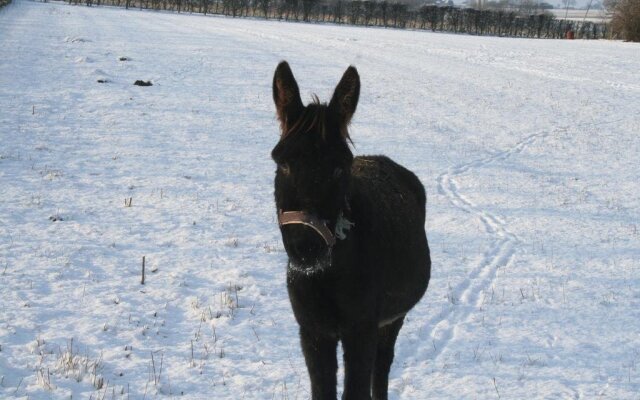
[495,385]
[153,365]
[18,387]
[143,262]
[160,372]
[192,363]
[255,333]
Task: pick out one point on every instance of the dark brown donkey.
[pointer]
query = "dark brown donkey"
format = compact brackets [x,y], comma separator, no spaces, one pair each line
[353,229]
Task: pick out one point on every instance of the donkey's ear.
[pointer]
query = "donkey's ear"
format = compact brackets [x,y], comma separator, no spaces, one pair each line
[345,97]
[286,94]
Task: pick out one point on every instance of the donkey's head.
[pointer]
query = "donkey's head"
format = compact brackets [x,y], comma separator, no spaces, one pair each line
[314,162]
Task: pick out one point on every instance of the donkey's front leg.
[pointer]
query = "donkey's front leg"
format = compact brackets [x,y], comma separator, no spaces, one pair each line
[359,345]
[320,356]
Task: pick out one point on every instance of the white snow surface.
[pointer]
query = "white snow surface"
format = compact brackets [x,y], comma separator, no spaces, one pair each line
[528,150]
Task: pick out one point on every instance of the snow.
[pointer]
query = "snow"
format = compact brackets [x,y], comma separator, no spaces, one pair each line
[527,148]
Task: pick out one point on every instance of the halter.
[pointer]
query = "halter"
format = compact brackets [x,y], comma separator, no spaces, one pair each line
[317,224]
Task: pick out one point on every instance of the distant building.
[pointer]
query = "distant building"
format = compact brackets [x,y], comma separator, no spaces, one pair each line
[439,3]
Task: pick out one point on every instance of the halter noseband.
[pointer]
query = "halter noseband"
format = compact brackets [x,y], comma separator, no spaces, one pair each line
[310,220]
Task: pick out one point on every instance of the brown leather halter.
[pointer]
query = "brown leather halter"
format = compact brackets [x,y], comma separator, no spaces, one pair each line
[310,220]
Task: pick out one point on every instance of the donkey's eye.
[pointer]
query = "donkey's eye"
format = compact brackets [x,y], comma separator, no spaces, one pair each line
[284,168]
[337,173]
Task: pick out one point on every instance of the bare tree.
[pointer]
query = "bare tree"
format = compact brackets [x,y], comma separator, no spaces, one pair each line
[626,19]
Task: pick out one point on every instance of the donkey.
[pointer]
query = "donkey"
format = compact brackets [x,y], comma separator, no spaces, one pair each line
[353,230]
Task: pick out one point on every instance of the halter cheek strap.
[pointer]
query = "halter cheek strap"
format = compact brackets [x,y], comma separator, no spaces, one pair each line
[310,220]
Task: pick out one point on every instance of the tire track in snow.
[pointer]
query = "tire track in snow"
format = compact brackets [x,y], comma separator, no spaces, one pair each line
[466,296]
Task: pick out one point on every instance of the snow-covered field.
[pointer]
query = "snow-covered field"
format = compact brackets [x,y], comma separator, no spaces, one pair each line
[528,150]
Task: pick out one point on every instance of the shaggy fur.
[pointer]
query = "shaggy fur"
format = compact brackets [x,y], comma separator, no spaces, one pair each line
[359,290]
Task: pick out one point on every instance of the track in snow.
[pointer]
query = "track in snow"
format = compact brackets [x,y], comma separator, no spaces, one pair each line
[466,296]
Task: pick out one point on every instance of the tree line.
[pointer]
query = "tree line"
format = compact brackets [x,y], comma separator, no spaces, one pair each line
[383,14]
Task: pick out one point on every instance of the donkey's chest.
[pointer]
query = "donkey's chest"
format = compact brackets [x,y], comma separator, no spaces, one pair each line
[325,304]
